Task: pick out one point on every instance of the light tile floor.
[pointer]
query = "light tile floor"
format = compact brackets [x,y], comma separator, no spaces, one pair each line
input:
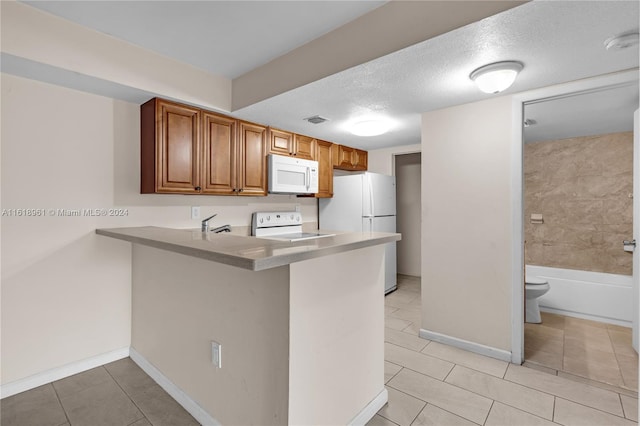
[428,383]
[434,384]
[591,350]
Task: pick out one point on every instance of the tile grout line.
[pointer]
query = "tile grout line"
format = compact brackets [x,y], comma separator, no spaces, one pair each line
[493,401]
[144,416]
[61,404]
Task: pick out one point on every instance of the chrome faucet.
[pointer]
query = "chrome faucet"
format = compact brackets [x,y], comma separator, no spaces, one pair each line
[205,222]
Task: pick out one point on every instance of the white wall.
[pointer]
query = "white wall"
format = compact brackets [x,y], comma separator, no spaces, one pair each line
[466,222]
[409,213]
[382,160]
[66,293]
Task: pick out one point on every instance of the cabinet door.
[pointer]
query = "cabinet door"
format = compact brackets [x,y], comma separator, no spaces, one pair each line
[280,142]
[305,147]
[219,154]
[252,161]
[360,158]
[177,153]
[345,158]
[325,169]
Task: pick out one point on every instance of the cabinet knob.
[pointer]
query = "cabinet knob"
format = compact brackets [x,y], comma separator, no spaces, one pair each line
[234,190]
[198,188]
[240,190]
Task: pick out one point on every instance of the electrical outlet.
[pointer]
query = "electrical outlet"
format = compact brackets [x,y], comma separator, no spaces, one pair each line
[195,212]
[216,354]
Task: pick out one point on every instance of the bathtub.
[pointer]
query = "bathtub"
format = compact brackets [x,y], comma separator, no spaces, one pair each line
[589,295]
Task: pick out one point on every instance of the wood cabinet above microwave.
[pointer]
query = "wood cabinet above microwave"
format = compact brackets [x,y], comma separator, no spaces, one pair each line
[287,143]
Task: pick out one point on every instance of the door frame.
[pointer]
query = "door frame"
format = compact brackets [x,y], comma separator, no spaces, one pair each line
[519,100]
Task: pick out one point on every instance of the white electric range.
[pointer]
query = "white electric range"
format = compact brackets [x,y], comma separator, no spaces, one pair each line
[285,226]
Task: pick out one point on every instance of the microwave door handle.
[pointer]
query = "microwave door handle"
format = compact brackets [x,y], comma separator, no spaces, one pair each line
[307,178]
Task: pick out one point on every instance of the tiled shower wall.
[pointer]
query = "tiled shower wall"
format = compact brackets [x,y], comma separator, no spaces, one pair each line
[582,186]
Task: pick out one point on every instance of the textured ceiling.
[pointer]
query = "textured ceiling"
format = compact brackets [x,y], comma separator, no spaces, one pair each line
[558,41]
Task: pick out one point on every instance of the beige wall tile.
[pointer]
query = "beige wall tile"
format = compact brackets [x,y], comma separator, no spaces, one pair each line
[401,409]
[579,185]
[477,362]
[571,414]
[503,415]
[434,416]
[515,395]
[417,361]
[562,387]
[451,398]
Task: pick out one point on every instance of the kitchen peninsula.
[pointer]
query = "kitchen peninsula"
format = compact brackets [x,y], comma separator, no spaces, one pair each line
[297,322]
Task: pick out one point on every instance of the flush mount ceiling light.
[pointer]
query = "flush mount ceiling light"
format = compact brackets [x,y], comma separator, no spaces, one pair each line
[622,41]
[316,119]
[496,77]
[370,127]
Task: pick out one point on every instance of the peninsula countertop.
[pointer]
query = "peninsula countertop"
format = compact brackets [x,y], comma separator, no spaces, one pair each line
[246,252]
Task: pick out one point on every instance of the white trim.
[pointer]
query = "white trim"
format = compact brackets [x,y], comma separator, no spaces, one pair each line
[466,345]
[371,409]
[176,393]
[517,229]
[58,373]
[517,247]
[586,316]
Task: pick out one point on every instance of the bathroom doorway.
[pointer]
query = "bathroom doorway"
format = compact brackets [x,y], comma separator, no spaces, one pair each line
[577,209]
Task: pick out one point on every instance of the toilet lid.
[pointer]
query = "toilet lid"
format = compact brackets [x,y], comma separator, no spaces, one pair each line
[534,280]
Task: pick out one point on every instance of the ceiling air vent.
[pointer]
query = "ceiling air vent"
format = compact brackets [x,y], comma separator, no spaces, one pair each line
[316,119]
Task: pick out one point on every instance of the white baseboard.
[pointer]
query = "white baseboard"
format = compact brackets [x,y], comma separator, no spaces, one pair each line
[67,370]
[371,409]
[176,393]
[466,345]
[596,318]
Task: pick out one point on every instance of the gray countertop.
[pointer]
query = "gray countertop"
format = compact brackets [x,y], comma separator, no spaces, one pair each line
[251,253]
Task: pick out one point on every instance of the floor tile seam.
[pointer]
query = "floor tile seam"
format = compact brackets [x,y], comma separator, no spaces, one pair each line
[389,420]
[453,364]
[64,410]
[500,401]
[436,405]
[83,389]
[144,416]
[391,378]
[465,366]
[416,416]
[565,398]
[620,390]
[418,372]
[493,402]
[597,409]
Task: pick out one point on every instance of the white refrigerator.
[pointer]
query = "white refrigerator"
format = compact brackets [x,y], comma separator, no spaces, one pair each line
[364,202]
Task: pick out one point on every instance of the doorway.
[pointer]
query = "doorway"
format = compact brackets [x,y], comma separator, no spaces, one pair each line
[408,210]
[520,103]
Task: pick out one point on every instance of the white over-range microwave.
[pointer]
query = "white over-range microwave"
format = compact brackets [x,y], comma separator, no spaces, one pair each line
[291,175]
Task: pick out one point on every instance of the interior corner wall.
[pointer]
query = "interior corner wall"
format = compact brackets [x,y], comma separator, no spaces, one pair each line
[382,160]
[66,292]
[466,222]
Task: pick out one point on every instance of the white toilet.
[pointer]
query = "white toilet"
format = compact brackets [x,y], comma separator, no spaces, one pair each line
[533,289]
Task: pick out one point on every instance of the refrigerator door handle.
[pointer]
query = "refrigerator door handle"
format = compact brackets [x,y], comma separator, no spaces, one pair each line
[370,188]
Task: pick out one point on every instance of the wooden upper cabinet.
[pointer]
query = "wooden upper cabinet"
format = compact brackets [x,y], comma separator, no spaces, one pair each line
[305,147]
[219,134]
[170,147]
[360,159]
[324,157]
[252,164]
[286,143]
[351,159]
[280,142]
